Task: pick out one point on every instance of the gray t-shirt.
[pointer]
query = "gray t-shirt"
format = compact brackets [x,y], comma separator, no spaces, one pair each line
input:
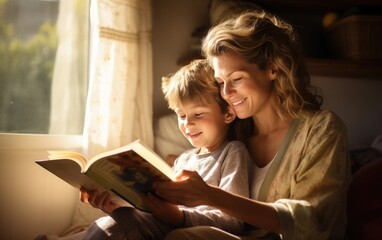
[230,168]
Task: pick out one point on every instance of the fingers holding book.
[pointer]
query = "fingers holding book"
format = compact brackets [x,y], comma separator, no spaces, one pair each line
[98,200]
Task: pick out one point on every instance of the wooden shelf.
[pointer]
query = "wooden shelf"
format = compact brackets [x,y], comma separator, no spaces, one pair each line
[345,68]
[306,16]
[322,6]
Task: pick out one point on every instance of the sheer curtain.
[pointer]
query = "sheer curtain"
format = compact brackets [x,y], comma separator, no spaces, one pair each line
[119,103]
[119,92]
[69,85]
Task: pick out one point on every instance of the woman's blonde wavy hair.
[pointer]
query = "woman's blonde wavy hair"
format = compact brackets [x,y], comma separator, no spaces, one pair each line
[269,42]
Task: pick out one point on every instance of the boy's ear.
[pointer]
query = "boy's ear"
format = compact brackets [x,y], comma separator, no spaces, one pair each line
[230,115]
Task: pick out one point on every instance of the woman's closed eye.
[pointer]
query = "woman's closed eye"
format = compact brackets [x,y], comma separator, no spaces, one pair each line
[219,82]
[234,80]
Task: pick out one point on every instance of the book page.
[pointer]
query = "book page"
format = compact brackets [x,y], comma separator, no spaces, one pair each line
[81,160]
[128,175]
[69,171]
[146,155]
[154,159]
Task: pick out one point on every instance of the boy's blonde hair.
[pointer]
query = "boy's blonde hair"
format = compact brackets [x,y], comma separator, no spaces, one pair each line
[194,83]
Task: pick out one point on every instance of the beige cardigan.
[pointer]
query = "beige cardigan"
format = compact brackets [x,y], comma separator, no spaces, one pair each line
[308,180]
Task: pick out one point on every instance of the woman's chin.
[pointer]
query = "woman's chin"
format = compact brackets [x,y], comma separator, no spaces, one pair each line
[242,115]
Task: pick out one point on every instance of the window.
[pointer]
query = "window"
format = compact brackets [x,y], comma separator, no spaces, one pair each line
[40,42]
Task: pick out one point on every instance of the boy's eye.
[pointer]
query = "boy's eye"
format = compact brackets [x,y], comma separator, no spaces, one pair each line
[237,79]
[198,115]
[181,116]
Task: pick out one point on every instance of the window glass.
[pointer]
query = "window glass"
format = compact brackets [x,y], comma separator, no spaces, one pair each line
[28,51]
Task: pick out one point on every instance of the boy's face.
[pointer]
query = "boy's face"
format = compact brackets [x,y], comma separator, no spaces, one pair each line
[205,126]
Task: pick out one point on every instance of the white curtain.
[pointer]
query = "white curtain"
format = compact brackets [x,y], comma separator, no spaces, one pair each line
[119,103]
[69,85]
[119,91]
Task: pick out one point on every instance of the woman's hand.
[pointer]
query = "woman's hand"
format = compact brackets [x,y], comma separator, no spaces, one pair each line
[98,200]
[189,190]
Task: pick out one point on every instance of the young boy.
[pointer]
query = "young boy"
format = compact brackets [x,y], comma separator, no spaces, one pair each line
[207,121]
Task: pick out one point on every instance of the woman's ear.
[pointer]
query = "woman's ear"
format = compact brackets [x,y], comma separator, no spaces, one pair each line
[230,115]
[272,72]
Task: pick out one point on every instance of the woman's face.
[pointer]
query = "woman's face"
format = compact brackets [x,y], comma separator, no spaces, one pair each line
[243,85]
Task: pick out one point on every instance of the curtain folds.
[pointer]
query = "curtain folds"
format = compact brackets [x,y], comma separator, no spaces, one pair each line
[119,102]
[69,85]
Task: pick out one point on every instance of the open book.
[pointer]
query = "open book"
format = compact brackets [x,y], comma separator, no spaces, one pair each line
[126,172]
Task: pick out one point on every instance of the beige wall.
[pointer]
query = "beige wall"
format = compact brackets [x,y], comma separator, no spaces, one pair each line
[33,201]
[173,23]
[358,102]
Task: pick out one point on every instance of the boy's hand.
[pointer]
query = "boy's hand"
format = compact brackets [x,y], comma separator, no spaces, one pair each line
[98,200]
[164,211]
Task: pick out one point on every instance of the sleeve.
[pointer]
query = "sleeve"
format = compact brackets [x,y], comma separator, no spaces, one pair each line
[317,201]
[235,172]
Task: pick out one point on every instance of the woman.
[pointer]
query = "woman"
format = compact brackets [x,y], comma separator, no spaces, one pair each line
[300,151]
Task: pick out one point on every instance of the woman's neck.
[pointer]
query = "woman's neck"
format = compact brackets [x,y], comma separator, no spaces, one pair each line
[270,122]
[271,130]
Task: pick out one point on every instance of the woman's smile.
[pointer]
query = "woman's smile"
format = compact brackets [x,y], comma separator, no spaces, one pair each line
[238,102]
